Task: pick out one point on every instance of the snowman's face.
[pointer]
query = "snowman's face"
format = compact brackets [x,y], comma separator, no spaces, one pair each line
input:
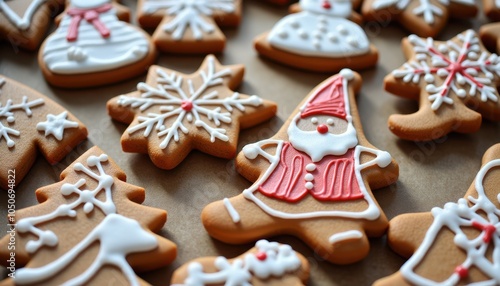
[85,4]
[337,8]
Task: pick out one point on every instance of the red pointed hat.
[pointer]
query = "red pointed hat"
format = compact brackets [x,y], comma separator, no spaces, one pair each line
[329,99]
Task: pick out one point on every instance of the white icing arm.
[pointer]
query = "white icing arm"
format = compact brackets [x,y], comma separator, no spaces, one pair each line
[251,151]
[382,159]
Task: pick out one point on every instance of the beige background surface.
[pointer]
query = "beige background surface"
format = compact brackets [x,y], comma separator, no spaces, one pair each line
[432,173]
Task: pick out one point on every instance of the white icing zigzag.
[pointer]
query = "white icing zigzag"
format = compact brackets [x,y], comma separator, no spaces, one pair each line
[21,23]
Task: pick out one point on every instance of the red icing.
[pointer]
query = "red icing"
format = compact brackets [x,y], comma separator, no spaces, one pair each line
[261,256]
[92,16]
[187,105]
[326,5]
[334,177]
[462,271]
[327,100]
[488,230]
[322,128]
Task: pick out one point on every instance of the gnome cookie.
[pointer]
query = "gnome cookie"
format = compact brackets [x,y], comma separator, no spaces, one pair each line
[455,82]
[29,121]
[89,229]
[426,18]
[189,26]
[458,244]
[319,38]
[312,180]
[92,47]
[268,263]
[173,113]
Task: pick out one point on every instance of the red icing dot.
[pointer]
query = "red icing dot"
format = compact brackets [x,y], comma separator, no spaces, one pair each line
[462,271]
[322,128]
[327,5]
[261,256]
[187,105]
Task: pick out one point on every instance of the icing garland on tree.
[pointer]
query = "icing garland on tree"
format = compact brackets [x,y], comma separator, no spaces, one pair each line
[189,14]
[458,65]
[182,105]
[21,23]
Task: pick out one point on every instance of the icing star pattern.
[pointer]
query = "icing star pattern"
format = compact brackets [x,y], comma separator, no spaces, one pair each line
[56,124]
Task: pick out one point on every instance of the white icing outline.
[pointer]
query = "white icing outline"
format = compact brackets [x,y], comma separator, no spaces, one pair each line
[56,124]
[235,216]
[23,23]
[342,236]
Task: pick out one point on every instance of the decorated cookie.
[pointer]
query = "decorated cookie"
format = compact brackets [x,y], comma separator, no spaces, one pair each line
[319,38]
[355,17]
[89,229]
[426,18]
[455,82]
[458,244]
[29,122]
[268,263]
[172,113]
[312,180]
[92,47]
[189,26]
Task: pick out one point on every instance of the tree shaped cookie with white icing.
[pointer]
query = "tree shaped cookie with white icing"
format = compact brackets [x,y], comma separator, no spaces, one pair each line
[30,121]
[458,244]
[189,26]
[455,82]
[89,229]
[268,263]
[173,113]
[426,18]
[311,180]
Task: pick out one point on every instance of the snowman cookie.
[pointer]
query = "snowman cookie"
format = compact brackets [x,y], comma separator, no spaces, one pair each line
[268,263]
[311,180]
[92,47]
[458,244]
[319,38]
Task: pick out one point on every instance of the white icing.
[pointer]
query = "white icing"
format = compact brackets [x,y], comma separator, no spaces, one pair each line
[346,235]
[170,96]
[23,23]
[56,124]
[310,167]
[339,8]
[91,52]
[458,66]
[280,259]
[188,14]
[235,216]
[455,217]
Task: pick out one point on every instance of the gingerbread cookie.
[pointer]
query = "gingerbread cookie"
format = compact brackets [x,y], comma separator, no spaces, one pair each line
[92,47]
[312,180]
[455,82]
[492,9]
[89,229]
[319,38]
[268,263]
[455,245]
[31,121]
[426,18]
[189,26]
[173,113]
[490,36]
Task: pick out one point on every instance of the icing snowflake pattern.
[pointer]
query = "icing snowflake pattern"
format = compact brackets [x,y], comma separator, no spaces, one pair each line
[189,106]
[189,14]
[467,213]
[425,9]
[458,65]
[7,111]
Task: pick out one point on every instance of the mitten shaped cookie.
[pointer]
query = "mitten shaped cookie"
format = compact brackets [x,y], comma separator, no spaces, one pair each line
[455,245]
[319,38]
[92,47]
[268,263]
[455,82]
[173,113]
[89,229]
[426,18]
[189,26]
[29,121]
[312,180]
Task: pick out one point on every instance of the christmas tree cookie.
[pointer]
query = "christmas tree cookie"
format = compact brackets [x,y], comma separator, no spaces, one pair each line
[319,38]
[29,121]
[172,113]
[89,229]
[268,263]
[92,47]
[311,180]
[458,244]
[189,26]
[455,82]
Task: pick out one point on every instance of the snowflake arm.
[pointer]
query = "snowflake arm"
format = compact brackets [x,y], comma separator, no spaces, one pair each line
[5,132]
[172,131]
[214,132]
[152,119]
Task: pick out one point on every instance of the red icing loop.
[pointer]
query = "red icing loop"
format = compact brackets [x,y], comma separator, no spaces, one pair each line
[91,16]
[261,256]
[187,105]
[322,128]
[326,5]
[462,272]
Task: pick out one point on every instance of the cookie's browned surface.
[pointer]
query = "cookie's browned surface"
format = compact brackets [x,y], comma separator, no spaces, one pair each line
[431,173]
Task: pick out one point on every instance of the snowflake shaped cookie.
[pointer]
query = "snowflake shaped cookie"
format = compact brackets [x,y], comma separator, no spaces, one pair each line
[425,18]
[172,113]
[463,238]
[452,80]
[189,26]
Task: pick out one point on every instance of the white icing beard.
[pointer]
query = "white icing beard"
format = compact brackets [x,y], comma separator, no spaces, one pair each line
[318,145]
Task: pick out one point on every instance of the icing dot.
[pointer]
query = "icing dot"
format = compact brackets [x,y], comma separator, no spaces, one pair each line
[443,48]
[283,34]
[347,74]
[323,28]
[352,41]
[322,19]
[317,44]
[429,78]
[309,185]
[322,128]
[303,34]
[461,93]
[295,24]
[462,271]
[333,38]
[261,256]
[311,167]
[187,105]
[329,121]
[318,35]
[342,30]
[11,119]
[309,177]
[314,120]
